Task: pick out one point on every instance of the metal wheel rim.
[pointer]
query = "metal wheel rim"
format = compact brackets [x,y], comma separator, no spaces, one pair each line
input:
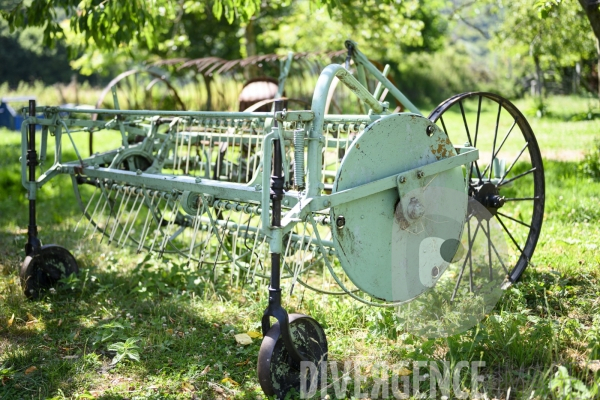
[526,250]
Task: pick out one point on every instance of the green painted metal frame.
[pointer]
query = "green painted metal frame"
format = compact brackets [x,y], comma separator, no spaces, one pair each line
[312,199]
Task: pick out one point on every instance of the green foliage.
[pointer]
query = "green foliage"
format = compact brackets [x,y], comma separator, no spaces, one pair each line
[385,30]
[557,32]
[566,387]
[128,349]
[24,58]
[591,161]
[429,78]
[102,33]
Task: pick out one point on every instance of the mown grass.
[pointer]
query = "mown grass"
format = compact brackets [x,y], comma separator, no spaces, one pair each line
[184,330]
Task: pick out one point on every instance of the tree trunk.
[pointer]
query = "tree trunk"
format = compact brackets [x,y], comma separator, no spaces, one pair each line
[592,10]
[207,80]
[539,77]
[250,36]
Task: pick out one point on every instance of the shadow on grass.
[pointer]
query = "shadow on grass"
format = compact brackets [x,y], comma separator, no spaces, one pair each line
[186,343]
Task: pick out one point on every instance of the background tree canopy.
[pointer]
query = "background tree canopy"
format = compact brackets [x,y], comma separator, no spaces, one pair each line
[434,46]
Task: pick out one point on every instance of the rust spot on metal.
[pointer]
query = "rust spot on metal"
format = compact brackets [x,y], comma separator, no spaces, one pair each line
[444,148]
[357,146]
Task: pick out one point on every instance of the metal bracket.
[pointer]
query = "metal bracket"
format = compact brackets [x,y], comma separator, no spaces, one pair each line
[294,116]
[410,207]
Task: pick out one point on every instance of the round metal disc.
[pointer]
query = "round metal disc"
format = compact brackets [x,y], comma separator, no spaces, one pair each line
[44,269]
[384,254]
[276,375]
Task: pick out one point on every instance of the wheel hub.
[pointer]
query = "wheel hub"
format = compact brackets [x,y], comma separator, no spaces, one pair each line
[488,195]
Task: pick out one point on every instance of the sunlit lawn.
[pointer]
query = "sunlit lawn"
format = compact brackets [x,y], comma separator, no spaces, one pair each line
[58,347]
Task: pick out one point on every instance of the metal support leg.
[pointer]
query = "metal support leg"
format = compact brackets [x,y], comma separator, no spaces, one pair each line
[33,243]
[274,309]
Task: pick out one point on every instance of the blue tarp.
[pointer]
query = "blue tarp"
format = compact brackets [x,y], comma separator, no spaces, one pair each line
[9,118]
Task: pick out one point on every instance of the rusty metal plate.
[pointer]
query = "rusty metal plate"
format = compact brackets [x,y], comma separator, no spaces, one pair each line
[388,256]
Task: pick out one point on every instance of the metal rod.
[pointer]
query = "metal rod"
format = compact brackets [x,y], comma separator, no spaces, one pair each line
[33,243]
[276,196]
[361,59]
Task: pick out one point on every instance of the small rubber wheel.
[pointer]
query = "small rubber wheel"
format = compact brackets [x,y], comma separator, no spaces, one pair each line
[44,269]
[276,375]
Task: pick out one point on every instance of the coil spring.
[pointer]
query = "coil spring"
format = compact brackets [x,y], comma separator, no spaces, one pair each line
[299,158]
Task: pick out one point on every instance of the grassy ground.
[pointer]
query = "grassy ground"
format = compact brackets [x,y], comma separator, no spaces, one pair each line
[541,341]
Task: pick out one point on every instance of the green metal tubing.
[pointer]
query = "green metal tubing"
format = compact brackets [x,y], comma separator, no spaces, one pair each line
[315,145]
[361,59]
[266,178]
[24,181]
[379,89]
[285,70]
[151,113]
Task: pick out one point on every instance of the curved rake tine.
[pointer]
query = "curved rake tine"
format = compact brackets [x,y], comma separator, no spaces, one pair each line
[131,211]
[102,212]
[146,227]
[135,217]
[189,150]
[86,208]
[196,226]
[102,194]
[166,235]
[118,217]
[158,228]
[176,147]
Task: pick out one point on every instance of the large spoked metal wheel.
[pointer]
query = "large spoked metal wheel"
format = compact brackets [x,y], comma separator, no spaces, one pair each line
[43,270]
[508,178]
[276,373]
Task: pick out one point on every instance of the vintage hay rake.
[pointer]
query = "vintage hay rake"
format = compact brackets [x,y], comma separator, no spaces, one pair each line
[384,203]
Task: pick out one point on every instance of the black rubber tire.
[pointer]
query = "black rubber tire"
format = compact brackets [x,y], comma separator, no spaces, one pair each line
[42,270]
[275,374]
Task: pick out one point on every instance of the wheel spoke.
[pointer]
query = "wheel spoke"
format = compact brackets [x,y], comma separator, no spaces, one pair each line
[444,125]
[495,138]
[514,219]
[468,257]
[513,164]
[488,234]
[460,275]
[489,240]
[510,235]
[479,175]
[477,123]
[501,144]
[522,198]
[517,177]
[462,111]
